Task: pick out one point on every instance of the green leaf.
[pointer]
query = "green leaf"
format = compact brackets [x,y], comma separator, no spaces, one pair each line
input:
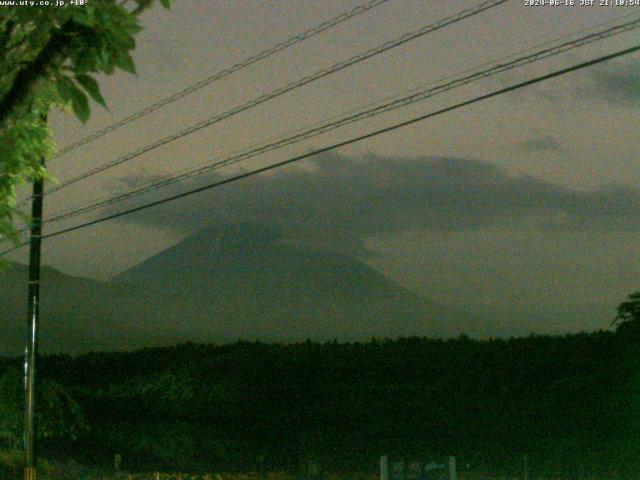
[125,62]
[92,88]
[109,69]
[79,102]
[86,61]
[80,106]
[124,39]
[84,16]
[166,4]
[65,88]
[104,54]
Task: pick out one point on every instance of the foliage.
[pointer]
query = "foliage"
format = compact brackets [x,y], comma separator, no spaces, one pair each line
[268,406]
[10,411]
[11,464]
[50,57]
[12,467]
[58,415]
[628,317]
[569,402]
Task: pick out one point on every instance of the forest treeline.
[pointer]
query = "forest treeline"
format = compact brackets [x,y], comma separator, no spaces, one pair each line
[570,403]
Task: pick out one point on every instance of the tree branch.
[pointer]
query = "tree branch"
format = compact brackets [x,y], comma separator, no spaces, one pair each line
[55,51]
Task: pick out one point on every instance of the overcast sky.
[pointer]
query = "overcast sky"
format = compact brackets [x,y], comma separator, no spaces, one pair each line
[529,201]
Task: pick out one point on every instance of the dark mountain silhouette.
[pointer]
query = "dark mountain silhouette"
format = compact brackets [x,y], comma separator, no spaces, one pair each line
[220,285]
[78,314]
[269,288]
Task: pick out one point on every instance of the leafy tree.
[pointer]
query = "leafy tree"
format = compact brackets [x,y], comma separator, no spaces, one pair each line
[488,402]
[58,414]
[10,413]
[49,58]
[628,318]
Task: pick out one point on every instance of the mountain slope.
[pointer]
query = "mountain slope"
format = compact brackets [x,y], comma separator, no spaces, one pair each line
[79,314]
[221,285]
[267,289]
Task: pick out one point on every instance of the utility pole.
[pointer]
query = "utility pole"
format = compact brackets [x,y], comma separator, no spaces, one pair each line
[33,319]
[453,474]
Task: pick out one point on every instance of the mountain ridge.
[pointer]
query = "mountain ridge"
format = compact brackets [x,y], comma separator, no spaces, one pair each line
[225,284]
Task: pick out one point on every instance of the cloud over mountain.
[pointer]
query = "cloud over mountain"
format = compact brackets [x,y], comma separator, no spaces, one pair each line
[345,199]
[620,86]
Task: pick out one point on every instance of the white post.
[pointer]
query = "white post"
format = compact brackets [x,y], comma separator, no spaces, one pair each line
[384,467]
[452,469]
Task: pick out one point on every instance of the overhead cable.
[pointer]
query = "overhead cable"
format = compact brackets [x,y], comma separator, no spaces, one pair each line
[334,146]
[359,116]
[403,39]
[279,47]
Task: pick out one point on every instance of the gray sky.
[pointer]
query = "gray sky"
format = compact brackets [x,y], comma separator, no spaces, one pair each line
[525,202]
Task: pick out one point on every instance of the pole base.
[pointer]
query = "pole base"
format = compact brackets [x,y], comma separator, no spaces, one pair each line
[30,473]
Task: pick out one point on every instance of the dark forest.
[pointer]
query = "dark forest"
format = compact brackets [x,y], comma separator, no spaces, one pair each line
[567,402]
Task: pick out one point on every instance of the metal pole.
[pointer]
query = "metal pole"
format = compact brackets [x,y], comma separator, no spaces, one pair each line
[453,474]
[33,313]
[384,467]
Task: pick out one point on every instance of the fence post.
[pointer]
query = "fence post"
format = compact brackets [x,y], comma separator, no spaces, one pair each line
[384,467]
[453,475]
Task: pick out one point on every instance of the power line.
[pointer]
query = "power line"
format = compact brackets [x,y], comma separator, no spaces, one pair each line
[379,107]
[414,97]
[407,37]
[476,67]
[351,141]
[312,32]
